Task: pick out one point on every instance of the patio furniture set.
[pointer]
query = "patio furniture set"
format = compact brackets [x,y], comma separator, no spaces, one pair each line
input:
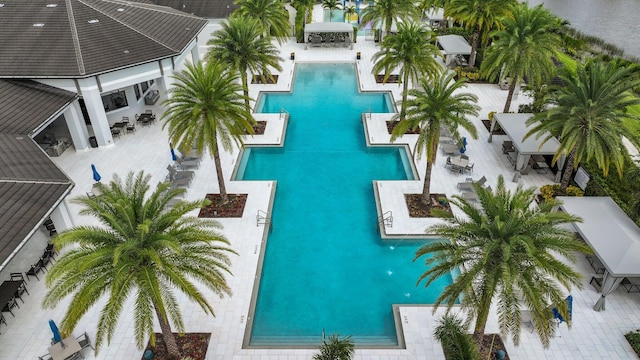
[179,176]
[124,126]
[459,164]
[10,291]
[329,39]
[69,348]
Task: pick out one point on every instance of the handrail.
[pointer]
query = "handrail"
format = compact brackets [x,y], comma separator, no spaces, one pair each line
[369,113]
[284,113]
[386,218]
[262,217]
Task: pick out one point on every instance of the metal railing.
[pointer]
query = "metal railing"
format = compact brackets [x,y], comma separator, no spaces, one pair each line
[386,219]
[262,218]
[284,113]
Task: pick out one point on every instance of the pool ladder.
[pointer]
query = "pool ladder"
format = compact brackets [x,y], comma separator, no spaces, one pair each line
[262,217]
[284,113]
[385,219]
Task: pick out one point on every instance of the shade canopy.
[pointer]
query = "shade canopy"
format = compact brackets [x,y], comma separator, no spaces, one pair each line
[514,126]
[613,236]
[328,27]
[454,45]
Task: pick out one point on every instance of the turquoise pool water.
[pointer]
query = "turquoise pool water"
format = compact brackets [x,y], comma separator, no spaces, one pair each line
[325,266]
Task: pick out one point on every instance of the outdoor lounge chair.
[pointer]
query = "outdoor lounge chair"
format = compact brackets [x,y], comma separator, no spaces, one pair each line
[526,319]
[469,196]
[175,174]
[468,185]
[184,164]
[450,149]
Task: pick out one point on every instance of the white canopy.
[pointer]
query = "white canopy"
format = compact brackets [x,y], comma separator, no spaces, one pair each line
[514,125]
[454,45]
[612,235]
[328,27]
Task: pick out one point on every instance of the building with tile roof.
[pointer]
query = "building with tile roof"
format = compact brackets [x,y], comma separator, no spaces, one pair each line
[70,69]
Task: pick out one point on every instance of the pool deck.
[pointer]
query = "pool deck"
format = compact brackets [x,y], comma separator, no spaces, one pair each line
[594,335]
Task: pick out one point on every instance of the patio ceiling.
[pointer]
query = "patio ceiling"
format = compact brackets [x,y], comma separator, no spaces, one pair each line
[454,45]
[514,126]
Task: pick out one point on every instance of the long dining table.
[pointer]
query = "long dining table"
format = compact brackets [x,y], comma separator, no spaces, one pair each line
[8,291]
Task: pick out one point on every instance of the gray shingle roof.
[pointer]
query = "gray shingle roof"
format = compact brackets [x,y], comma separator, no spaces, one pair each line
[210,9]
[78,38]
[27,104]
[31,185]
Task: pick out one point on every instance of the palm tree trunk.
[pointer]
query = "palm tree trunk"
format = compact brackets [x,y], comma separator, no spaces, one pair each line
[426,187]
[474,47]
[245,89]
[310,14]
[167,335]
[512,89]
[483,314]
[405,91]
[223,189]
[568,171]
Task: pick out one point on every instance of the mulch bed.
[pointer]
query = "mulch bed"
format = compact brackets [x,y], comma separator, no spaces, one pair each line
[487,351]
[193,345]
[257,79]
[233,208]
[418,210]
[259,127]
[392,79]
[392,124]
[496,131]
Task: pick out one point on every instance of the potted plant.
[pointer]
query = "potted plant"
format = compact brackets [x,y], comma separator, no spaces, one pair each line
[293,55]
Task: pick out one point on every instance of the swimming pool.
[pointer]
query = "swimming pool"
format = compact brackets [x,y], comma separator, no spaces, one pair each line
[325,266]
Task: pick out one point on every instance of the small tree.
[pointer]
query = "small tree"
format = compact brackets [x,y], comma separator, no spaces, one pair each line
[457,344]
[336,348]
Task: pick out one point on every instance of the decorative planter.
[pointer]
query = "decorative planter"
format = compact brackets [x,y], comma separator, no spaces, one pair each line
[293,56]
[358,55]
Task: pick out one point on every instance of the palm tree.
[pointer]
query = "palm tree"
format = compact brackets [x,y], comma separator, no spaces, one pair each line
[479,16]
[384,12]
[456,343]
[306,7]
[439,104]
[349,11]
[505,249]
[206,107]
[587,116]
[336,349]
[240,45]
[412,53]
[143,249]
[271,15]
[523,47]
[330,5]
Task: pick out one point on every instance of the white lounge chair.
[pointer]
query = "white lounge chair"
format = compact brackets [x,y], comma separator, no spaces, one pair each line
[468,185]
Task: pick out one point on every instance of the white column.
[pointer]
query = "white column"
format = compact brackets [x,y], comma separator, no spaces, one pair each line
[99,122]
[77,127]
[195,53]
[165,81]
[61,217]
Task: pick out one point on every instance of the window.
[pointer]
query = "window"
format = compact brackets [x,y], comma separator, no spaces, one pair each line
[136,89]
[114,100]
[151,82]
[144,86]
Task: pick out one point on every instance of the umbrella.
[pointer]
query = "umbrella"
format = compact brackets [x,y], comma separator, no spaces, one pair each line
[57,338]
[96,176]
[464,145]
[556,313]
[173,153]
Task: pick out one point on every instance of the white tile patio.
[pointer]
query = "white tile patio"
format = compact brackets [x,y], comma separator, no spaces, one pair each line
[594,335]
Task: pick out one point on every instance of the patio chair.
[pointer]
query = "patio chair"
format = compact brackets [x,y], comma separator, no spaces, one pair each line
[507,146]
[115,132]
[131,128]
[84,341]
[46,259]
[468,185]
[175,174]
[527,319]
[469,196]
[46,356]
[23,287]
[631,284]
[10,305]
[469,167]
[3,320]
[185,164]
[35,269]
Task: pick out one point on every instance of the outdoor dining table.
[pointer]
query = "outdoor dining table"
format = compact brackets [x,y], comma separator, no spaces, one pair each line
[8,291]
[71,347]
[145,118]
[458,163]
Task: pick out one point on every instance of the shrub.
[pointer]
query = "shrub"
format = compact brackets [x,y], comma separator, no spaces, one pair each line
[457,344]
[633,337]
[551,190]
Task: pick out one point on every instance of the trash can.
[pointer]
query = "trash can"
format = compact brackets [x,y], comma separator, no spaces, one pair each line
[93,142]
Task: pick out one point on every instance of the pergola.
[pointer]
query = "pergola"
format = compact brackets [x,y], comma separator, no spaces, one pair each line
[613,236]
[453,45]
[320,28]
[514,125]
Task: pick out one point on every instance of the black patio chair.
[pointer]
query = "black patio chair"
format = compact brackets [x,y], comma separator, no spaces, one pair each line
[35,269]
[10,305]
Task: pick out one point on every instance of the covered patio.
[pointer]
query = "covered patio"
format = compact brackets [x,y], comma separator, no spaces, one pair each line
[455,48]
[523,153]
[328,34]
[613,236]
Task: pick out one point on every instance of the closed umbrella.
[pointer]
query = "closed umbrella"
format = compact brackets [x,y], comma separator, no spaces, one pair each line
[173,153]
[96,176]
[57,338]
[464,145]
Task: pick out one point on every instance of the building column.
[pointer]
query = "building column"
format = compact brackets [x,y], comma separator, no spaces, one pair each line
[61,217]
[77,128]
[164,82]
[195,54]
[99,122]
